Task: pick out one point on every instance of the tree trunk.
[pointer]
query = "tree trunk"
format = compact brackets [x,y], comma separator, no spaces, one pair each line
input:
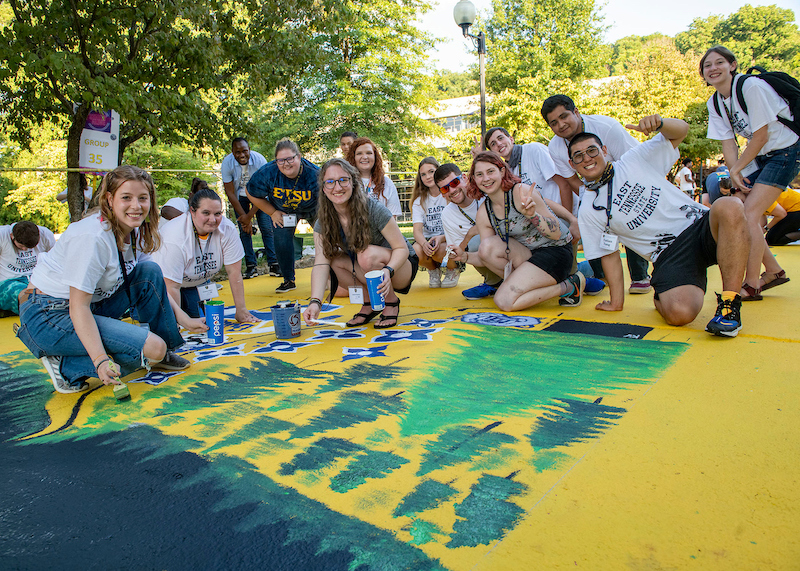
[74,190]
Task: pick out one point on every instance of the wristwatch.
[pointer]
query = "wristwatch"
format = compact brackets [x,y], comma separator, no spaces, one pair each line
[391,270]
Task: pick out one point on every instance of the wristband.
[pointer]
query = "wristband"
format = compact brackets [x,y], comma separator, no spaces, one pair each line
[107,357]
[660,124]
[391,270]
[315,300]
[103,360]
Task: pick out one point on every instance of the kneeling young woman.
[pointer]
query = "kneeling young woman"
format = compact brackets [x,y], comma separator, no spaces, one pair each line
[522,239]
[354,235]
[96,272]
[196,245]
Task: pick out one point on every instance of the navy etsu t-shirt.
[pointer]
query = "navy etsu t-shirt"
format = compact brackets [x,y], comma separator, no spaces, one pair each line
[289,195]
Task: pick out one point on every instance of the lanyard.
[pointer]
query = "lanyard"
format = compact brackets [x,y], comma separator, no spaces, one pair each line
[496,223]
[467,216]
[608,203]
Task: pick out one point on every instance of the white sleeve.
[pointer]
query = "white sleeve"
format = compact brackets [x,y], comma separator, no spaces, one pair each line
[85,261]
[763,104]
[392,197]
[619,141]
[719,128]
[46,239]
[540,160]
[558,152]
[172,260]
[655,154]
[453,233]
[417,213]
[232,249]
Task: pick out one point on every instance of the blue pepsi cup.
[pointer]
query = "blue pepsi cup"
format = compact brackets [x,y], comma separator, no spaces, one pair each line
[215,319]
[374,279]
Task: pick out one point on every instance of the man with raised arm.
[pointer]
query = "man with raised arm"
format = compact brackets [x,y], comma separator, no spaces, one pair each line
[629,201]
[566,122]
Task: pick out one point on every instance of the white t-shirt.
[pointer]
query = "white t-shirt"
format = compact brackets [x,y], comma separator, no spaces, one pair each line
[186,259]
[684,185]
[537,169]
[647,211]
[455,224]
[178,203]
[15,263]
[86,258]
[390,199]
[429,215]
[238,174]
[764,106]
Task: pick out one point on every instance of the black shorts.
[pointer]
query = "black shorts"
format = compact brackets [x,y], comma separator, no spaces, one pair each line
[684,262]
[555,260]
[414,267]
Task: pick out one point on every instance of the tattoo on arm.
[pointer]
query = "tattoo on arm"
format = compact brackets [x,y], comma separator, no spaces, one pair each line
[552,225]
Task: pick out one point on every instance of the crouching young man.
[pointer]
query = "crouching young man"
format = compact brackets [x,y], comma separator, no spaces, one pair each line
[630,201]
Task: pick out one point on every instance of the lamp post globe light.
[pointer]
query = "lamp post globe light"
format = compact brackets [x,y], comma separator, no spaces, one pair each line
[464,15]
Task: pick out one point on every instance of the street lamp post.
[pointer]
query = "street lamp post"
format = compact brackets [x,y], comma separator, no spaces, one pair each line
[464,14]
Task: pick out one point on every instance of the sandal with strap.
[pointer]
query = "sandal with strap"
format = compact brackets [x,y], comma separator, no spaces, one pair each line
[753,293]
[777,279]
[389,317]
[366,317]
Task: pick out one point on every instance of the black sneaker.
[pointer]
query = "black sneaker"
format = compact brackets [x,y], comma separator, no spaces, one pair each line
[576,297]
[172,362]
[275,270]
[250,272]
[53,367]
[727,321]
[287,285]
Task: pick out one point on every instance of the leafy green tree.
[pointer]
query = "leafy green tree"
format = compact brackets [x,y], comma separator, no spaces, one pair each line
[163,65]
[626,49]
[449,84]
[369,78]
[758,35]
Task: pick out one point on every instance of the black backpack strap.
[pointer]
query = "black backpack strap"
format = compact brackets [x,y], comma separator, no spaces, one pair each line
[740,92]
[715,99]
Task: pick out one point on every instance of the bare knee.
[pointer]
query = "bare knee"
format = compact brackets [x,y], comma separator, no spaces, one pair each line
[504,299]
[678,314]
[154,347]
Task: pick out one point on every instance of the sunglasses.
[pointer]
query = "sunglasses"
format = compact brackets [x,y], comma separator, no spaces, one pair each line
[453,184]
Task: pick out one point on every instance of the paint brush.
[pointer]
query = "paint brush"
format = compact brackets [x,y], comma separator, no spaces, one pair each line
[328,322]
[121,391]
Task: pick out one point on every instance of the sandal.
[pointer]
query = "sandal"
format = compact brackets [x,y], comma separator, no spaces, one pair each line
[753,293]
[366,317]
[389,317]
[777,279]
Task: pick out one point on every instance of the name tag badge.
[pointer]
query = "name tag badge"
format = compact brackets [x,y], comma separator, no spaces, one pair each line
[356,294]
[609,242]
[289,220]
[207,291]
[507,270]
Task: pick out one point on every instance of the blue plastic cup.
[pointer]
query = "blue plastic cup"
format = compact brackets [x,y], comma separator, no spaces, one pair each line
[374,279]
[215,319]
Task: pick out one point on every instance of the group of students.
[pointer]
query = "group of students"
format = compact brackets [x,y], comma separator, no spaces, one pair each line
[516,216]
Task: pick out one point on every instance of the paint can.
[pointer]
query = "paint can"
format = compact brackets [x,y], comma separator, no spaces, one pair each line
[286,319]
[215,319]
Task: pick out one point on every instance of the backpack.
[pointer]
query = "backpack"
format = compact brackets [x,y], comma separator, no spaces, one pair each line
[784,85]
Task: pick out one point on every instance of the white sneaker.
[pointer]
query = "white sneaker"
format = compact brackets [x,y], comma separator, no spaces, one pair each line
[451,278]
[53,367]
[435,277]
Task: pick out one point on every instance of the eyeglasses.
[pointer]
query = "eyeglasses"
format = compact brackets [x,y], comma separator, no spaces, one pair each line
[286,161]
[590,152]
[330,184]
[452,184]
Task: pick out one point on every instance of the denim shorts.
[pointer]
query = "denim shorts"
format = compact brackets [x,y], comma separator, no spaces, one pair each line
[778,168]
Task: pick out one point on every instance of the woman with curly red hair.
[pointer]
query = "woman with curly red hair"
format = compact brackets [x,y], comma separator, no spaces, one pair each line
[521,238]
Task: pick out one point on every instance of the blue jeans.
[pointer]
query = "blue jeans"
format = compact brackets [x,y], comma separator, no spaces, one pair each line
[284,245]
[637,266]
[265,226]
[46,327]
[190,301]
